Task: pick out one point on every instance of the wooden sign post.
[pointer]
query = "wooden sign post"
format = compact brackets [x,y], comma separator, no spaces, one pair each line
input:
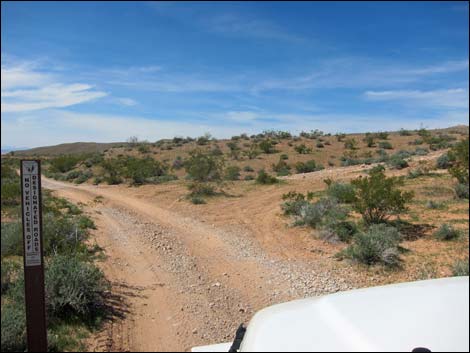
[31,207]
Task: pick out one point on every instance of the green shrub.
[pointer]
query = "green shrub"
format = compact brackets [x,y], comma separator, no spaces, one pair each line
[197,200]
[378,196]
[443,162]
[379,245]
[397,162]
[64,163]
[265,178]
[369,139]
[350,144]
[249,177]
[421,151]
[302,149]
[460,268]
[461,190]
[202,167]
[320,145]
[97,180]
[201,189]
[144,148]
[12,239]
[343,192]
[13,327]
[160,179]
[382,135]
[247,168]
[460,156]
[446,232]
[293,203]
[83,177]
[10,192]
[178,163]
[418,172]
[385,145]
[435,205]
[10,271]
[307,167]
[281,168]
[416,142]
[267,146]
[253,151]
[232,173]
[74,287]
[284,157]
[404,132]
[342,231]
[324,211]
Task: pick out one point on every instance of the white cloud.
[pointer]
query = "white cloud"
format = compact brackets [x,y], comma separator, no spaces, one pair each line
[128,102]
[26,89]
[448,98]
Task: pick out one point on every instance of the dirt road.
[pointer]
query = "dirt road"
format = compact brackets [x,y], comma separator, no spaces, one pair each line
[177,281]
[184,276]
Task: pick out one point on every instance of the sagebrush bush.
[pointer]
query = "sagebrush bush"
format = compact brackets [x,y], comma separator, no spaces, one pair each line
[324,211]
[461,190]
[435,205]
[397,162]
[203,167]
[447,232]
[385,145]
[336,231]
[443,162]
[307,167]
[247,168]
[302,149]
[460,268]
[343,192]
[12,239]
[74,287]
[265,178]
[232,173]
[201,189]
[249,177]
[378,245]
[13,327]
[197,200]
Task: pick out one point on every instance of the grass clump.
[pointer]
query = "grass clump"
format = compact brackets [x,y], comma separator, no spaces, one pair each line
[266,179]
[447,232]
[460,268]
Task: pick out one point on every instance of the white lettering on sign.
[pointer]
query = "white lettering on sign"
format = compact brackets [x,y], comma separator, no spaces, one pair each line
[32,226]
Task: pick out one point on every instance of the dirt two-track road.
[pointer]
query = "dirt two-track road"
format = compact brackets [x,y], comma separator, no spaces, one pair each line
[182,279]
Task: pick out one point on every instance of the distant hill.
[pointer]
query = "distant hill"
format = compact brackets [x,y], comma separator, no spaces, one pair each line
[68,148]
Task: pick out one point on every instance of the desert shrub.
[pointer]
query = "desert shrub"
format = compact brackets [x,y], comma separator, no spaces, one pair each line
[249,177]
[435,205]
[10,270]
[12,239]
[232,173]
[202,167]
[253,151]
[247,168]
[139,169]
[461,190]
[13,327]
[343,192]
[418,172]
[340,136]
[201,189]
[443,162]
[84,176]
[293,202]
[369,139]
[265,178]
[324,211]
[64,163]
[144,148]
[404,132]
[382,135]
[74,287]
[378,196]
[281,168]
[342,231]
[460,268]
[385,145]
[160,179]
[203,140]
[307,167]
[459,154]
[10,192]
[267,146]
[302,149]
[416,142]
[178,163]
[72,175]
[397,162]
[446,232]
[197,200]
[350,144]
[234,149]
[97,180]
[284,157]
[378,245]
[216,151]
[320,145]
[419,151]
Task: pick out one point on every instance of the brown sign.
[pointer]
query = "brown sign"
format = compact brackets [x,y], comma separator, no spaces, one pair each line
[33,255]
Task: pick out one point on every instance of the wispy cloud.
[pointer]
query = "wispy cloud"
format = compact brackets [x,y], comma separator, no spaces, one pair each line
[24,88]
[128,102]
[448,98]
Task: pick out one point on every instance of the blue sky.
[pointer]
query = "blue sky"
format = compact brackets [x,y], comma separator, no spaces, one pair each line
[103,71]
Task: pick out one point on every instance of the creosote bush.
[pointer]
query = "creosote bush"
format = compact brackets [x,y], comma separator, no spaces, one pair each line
[265,178]
[378,196]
